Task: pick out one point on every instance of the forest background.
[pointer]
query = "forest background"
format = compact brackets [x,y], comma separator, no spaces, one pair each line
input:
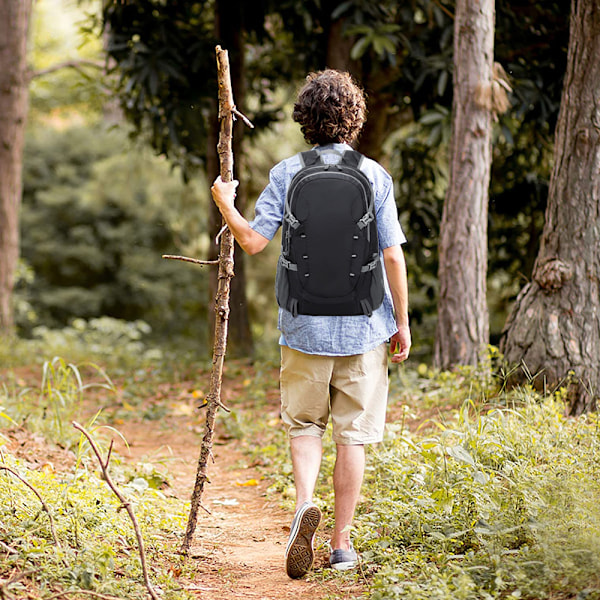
[99,208]
[478,491]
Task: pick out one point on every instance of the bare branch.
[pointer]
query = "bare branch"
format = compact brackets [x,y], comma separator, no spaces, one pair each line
[237,113]
[126,505]
[44,505]
[195,261]
[8,548]
[68,64]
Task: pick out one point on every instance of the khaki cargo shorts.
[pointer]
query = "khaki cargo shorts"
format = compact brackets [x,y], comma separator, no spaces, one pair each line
[352,389]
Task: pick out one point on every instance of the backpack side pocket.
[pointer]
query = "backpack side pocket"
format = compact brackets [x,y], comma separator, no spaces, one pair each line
[282,284]
[377,286]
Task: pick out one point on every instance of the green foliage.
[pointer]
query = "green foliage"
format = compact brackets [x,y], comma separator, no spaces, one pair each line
[97,216]
[492,506]
[493,497]
[58,40]
[164,53]
[108,340]
[49,409]
[96,549]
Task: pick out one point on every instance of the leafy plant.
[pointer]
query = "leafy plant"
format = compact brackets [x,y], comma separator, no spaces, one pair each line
[83,541]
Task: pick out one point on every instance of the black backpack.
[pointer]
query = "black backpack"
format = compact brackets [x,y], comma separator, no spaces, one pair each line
[329,263]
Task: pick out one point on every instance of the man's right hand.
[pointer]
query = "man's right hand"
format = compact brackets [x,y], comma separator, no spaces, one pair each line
[224,193]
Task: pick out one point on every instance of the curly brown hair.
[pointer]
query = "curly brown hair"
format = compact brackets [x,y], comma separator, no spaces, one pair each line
[330,108]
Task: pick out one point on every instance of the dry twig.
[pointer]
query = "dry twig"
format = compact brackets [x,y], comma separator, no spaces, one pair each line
[196,261]
[125,504]
[85,593]
[44,505]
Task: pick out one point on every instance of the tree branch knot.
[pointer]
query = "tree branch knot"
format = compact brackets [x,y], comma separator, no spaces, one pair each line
[553,274]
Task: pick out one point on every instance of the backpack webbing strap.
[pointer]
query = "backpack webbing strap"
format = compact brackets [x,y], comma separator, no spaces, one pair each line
[309,158]
[352,158]
[366,307]
[286,264]
[293,307]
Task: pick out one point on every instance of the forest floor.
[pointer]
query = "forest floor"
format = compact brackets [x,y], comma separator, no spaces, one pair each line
[240,539]
[238,549]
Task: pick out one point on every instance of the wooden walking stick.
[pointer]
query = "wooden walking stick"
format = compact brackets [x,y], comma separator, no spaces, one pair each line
[227,113]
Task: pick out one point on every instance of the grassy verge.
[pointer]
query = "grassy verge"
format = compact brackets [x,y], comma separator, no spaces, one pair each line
[499,502]
[475,493]
[63,533]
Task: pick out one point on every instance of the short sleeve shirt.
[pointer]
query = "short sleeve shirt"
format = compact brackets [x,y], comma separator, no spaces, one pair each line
[338,335]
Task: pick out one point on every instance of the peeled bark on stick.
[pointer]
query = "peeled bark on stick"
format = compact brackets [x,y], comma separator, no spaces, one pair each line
[227,111]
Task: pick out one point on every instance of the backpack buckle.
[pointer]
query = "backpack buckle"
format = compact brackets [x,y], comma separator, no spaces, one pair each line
[370,266]
[291,220]
[365,220]
[286,264]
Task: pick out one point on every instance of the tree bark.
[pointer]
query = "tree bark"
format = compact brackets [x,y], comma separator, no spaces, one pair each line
[553,331]
[463,321]
[14,96]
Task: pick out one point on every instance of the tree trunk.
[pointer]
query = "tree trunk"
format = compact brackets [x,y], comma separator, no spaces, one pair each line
[229,32]
[553,331]
[14,25]
[382,116]
[463,322]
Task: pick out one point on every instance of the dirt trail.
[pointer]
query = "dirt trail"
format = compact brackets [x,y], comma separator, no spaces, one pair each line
[238,550]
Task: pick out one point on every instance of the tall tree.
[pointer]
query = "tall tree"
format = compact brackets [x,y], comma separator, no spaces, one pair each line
[554,328]
[463,323]
[14,26]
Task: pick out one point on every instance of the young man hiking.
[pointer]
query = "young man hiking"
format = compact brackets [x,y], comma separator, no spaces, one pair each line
[333,350]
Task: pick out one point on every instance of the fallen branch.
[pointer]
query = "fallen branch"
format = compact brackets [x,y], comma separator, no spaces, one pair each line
[8,548]
[227,111]
[44,505]
[5,583]
[125,504]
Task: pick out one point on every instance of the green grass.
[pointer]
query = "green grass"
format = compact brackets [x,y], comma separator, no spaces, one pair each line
[95,547]
[494,495]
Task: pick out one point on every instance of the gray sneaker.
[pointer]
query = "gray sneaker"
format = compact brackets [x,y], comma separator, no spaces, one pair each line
[299,555]
[343,560]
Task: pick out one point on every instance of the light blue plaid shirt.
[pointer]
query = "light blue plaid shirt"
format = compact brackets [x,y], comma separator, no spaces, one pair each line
[333,335]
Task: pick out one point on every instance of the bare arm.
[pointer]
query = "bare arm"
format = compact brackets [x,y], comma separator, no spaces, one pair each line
[224,195]
[395,269]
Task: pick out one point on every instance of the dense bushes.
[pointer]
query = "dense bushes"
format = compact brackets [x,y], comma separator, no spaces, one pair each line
[97,215]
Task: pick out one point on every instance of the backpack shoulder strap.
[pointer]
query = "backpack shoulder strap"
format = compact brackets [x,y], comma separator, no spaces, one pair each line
[352,158]
[309,158]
